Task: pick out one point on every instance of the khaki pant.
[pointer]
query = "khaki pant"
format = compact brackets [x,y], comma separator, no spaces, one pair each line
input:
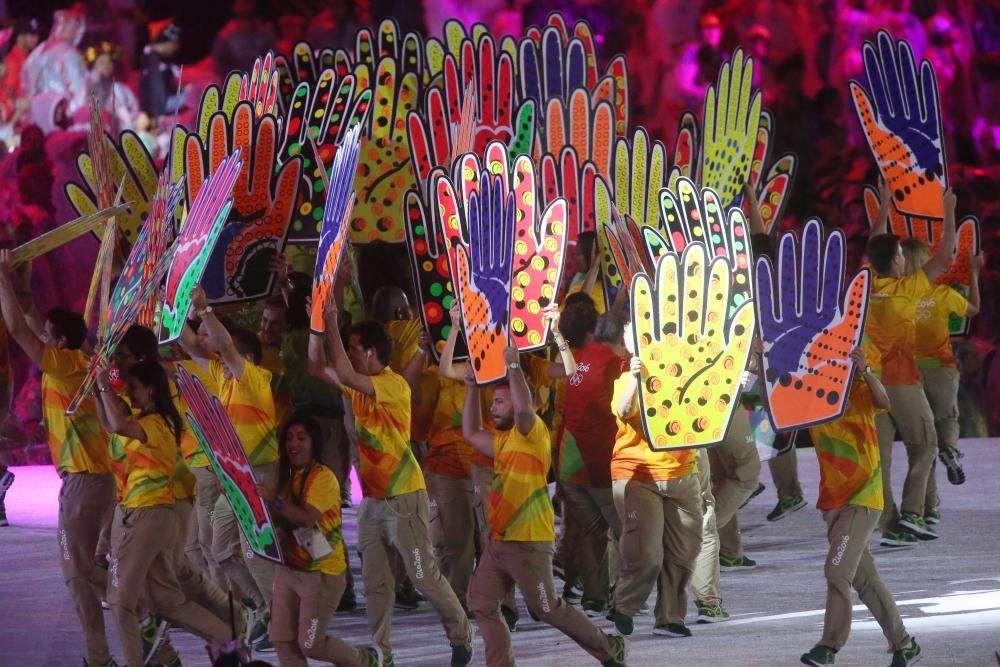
[785,474]
[143,565]
[198,546]
[301,608]
[911,415]
[706,580]
[482,481]
[849,563]
[661,528]
[529,565]
[941,389]
[251,573]
[453,529]
[594,514]
[735,475]
[401,524]
[84,502]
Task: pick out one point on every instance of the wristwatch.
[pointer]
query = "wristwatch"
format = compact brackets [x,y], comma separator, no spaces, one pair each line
[204,311]
[513,364]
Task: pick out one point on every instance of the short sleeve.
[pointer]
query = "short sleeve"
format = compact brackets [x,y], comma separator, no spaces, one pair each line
[256,378]
[390,388]
[62,362]
[216,372]
[324,491]
[952,301]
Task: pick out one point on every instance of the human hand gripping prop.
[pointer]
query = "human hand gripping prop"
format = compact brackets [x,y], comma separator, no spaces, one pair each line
[693,349]
[901,119]
[808,330]
[217,437]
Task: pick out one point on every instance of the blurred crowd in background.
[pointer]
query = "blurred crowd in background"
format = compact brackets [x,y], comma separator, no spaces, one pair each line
[147,63]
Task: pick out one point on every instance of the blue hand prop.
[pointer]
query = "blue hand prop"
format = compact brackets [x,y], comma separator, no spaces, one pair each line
[491,229]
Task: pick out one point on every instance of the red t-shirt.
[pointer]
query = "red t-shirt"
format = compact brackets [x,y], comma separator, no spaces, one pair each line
[589,427]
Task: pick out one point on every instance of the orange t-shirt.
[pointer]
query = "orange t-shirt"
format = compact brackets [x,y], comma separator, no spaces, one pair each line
[933,339]
[892,324]
[632,457]
[449,454]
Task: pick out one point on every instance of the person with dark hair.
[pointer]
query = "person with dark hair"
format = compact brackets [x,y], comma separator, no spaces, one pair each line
[892,318]
[522,522]
[150,524]
[245,391]
[394,514]
[274,321]
[79,452]
[308,586]
[587,280]
[588,438]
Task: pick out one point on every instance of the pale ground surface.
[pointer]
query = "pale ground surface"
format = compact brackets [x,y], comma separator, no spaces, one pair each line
[948,590]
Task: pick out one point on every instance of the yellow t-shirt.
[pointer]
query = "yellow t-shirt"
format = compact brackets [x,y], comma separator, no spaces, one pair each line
[322,492]
[520,506]
[272,362]
[449,454]
[632,457]
[892,324]
[382,422]
[185,483]
[77,443]
[405,336]
[250,406]
[150,466]
[933,340]
[194,457]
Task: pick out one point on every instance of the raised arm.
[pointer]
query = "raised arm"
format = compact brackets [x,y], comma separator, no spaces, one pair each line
[753,210]
[341,362]
[975,266]
[415,368]
[880,398]
[218,337]
[594,271]
[448,368]
[945,254]
[881,223]
[625,406]
[472,417]
[520,394]
[13,316]
[567,365]
[117,417]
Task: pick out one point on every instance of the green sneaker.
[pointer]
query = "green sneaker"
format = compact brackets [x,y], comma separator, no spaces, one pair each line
[712,614]
[785,507]
[736,564]
[263,645]
[672,630]
[258,629]
[375,657]
[917,526]
[818,656]
[932,517]
[593,608]
[461,655]
[152,631]
[623,622]
[901,537]
[619,652]
[906,656]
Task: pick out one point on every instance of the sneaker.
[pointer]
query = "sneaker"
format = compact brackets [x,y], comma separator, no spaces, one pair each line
[906,656]
[258,629]
[916,525]
[623,622]
[375,657]
[818,656]
[785,507]
[736,564]
[345,504]
[900,537]
[949,457]
[263,645]
[593,608]
[672,630]
[572,593]
[932,517]
[509,617]
[6,479]
[759,490]
[712,614]
[619,652]
[461,655]
[643,609]
[406,601]
[152,631]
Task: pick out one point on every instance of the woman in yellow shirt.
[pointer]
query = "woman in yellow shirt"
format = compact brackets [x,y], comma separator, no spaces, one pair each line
[308,587]
[150,525]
